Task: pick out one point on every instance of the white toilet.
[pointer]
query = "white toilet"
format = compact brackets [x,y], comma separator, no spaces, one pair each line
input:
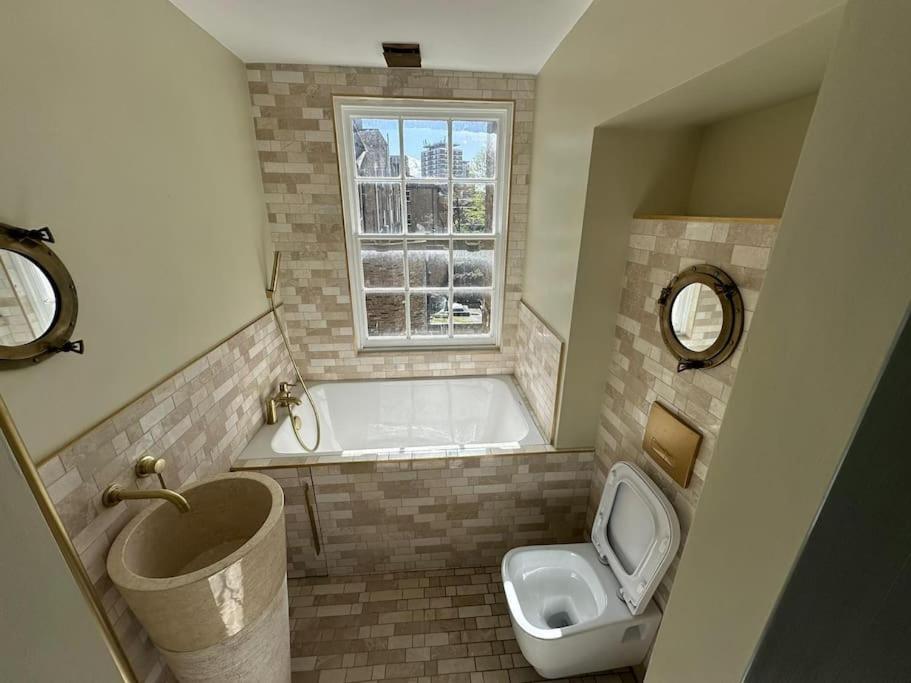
[586,607]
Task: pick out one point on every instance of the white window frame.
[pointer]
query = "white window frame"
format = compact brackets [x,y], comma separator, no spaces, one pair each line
[348,108]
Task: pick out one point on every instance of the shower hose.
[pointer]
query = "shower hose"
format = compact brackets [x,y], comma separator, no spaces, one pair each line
[294,419]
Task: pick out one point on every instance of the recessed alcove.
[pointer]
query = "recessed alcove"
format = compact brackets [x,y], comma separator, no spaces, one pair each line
[721,147]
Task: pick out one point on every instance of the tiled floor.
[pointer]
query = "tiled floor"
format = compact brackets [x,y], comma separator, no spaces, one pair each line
[446,626]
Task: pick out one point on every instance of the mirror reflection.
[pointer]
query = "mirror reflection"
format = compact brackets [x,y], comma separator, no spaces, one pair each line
[27,300]
[697,317]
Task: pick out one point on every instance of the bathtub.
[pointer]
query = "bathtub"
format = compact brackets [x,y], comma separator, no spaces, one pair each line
[404,416]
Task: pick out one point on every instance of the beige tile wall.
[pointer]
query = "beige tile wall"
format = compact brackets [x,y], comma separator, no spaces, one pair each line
[199,419]
[643,370]
[297,485]
[538,357]
[436,513]
[293,116]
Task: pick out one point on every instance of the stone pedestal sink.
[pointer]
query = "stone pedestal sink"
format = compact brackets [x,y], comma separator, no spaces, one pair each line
[209,585]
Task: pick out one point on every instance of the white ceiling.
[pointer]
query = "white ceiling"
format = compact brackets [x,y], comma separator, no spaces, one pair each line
[513,36]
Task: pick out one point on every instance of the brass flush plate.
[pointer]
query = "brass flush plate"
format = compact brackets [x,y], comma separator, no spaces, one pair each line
[672,443]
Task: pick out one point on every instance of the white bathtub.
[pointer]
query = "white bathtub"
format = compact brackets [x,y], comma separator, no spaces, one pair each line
[405,415]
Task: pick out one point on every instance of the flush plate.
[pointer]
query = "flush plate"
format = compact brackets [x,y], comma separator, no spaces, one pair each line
[671,443]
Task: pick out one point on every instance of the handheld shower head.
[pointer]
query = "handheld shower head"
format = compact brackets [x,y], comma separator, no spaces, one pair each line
[273,281]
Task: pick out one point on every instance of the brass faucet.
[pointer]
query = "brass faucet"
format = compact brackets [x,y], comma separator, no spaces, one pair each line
[284,398]
[115,493]
[145,467]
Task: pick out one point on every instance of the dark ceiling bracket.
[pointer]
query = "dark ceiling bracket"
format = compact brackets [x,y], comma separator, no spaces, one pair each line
[402,55]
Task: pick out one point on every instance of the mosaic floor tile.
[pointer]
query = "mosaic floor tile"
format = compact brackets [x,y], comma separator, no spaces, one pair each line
[442,626]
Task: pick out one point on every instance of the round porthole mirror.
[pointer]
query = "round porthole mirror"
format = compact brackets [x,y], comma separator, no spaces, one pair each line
[38,303]
[701,314]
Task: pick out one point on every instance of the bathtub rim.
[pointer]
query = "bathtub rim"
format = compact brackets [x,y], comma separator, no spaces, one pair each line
[262,438]
[289,461]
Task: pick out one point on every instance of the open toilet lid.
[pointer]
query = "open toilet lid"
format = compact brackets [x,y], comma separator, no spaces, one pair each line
[636,532]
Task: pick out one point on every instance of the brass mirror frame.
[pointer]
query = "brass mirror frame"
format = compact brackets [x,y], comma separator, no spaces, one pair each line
[31,245]
[732,316]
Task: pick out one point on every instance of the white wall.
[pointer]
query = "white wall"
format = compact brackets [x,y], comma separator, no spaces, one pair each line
[47,632]
[617,56]
[631,170]
[746,163]
[127,129]
[835,294]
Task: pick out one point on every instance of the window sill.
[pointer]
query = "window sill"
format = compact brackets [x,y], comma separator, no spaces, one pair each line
[455,348]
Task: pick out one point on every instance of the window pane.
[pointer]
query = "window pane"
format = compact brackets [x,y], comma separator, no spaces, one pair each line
[471,313]
[428,263]
[472,263]
[474,149]
[472,207]
[426,148]
[376,147]
[429,314]
[385,315]
[428,206]
[383,263]
[380,207]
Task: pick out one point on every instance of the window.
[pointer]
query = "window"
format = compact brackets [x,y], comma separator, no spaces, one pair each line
[425,187]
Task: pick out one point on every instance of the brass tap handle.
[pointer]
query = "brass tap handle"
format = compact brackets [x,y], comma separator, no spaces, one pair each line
[149,465]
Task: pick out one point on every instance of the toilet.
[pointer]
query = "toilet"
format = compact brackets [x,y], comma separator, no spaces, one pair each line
[585,607]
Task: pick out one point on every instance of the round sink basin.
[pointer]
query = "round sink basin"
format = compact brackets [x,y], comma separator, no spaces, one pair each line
[224,515]
[196,579]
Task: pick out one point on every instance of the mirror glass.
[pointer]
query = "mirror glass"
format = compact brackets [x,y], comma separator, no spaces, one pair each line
[697,316]
[27,300]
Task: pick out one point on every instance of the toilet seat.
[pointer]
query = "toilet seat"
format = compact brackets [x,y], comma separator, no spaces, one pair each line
[636,532]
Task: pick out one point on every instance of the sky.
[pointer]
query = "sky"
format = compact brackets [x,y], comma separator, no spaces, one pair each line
[418,131]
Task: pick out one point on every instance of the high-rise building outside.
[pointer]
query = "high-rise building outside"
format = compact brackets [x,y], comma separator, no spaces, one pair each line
[435,161]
